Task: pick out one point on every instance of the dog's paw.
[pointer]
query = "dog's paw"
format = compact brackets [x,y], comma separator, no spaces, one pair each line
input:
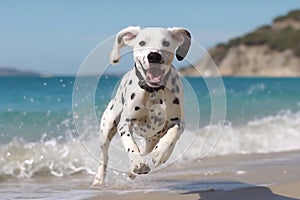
[161,155]
[131,176]
[141,169]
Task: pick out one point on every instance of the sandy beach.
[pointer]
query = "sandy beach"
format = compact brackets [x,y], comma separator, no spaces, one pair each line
[261,176]
[273,176]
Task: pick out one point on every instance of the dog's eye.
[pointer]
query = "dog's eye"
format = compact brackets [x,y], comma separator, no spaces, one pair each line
[142,43]
[166,43]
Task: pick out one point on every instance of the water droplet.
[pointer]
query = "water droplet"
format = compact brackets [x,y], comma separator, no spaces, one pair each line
[28,162]
[48,113]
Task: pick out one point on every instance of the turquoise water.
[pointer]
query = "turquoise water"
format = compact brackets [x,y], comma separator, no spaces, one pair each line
[36,120]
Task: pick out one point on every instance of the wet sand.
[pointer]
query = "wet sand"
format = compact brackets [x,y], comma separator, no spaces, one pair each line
[258,176]
[272,176]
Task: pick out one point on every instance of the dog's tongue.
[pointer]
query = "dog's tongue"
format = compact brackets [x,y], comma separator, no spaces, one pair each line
[154,75]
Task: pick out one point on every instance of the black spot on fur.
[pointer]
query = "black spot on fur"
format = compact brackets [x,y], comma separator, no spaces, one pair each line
[130,82]
[128,135]
[173,80]
[161,101]
[123,100]
[176,101]
[112,106]
[122,133]
[158,133]
[156,120]
[130,120]
[173,90]
[128,150]
[177,89]
[174,119]
[156,147]
[137,108]
[132,96]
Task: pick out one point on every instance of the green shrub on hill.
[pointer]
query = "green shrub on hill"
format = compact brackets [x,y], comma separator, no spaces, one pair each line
[287,38]
[276,39]
[293,15]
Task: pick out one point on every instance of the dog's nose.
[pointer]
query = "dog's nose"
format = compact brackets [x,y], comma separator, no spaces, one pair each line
[154,57]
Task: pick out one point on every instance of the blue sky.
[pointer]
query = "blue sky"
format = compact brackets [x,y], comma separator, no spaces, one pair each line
[55,36]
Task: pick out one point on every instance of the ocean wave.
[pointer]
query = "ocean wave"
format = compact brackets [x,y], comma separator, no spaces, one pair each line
[71,156]
[19,159]
[276,133]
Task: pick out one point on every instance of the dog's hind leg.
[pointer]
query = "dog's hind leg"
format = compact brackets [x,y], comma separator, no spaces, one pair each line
[108,128]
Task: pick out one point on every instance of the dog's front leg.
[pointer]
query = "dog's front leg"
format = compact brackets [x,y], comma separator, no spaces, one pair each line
[166,144]
[137,163]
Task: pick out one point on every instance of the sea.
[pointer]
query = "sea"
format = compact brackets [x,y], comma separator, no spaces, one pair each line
[49,126]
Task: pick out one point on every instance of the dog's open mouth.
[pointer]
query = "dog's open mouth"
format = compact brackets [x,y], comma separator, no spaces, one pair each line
[154,75]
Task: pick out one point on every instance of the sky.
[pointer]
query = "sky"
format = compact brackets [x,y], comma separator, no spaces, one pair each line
[55,36]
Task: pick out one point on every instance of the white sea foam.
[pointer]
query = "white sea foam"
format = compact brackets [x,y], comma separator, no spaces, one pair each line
[269,134]
[64,157]
[23,160]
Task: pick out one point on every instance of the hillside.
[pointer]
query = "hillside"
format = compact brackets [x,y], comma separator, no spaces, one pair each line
[5,71]
[270,50]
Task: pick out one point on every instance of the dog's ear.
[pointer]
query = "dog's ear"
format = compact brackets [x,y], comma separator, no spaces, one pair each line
[184,38]
[124,37]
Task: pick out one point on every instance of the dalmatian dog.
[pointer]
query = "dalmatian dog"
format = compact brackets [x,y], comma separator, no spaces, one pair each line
[149,99]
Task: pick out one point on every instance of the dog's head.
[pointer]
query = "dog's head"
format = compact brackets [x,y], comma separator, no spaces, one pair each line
[153,50]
